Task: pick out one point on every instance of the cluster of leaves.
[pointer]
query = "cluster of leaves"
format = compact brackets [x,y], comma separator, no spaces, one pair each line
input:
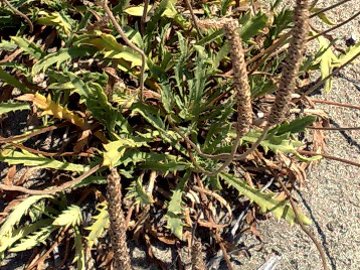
[75,72]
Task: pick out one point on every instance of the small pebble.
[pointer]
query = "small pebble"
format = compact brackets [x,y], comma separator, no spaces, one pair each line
[351,40]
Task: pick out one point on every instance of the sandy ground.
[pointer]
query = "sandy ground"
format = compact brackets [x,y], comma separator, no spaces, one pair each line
[332,196]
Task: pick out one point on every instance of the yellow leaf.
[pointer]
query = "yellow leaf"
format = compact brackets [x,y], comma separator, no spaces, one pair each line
[137,10]
[116,149]
[50,107]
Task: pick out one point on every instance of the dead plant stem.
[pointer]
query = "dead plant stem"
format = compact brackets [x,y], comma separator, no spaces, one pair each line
[143,17]
[19,13]
[193,17]
[303,227]
[321,101]
[53,190]
[328,8]
[312,153]
[335,128]
[334,27]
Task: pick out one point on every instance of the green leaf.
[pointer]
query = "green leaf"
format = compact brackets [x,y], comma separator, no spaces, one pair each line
[266,201]
[34,239]
[7,107]
[322,16]
[110,48]
[6,45]
[273,142]
[136,10]
[93,95]
[151,115]
[7,78]
[161,8]
[8,241]
[18,213]
[326,62]
[14,157]
[139,193]
[60,20]
[71,216]
[116,149]
[58,58]
[99,226]
[350,53]
[278,143]
[298,125]
[28,47]
[173,215]
[79,256]
[253,26]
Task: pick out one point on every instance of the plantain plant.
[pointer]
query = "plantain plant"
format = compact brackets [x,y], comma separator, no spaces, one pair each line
[75,71]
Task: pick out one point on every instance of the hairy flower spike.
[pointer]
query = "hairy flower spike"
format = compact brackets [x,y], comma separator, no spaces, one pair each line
[241,81]
[292,64]
[117,222]
[197,256]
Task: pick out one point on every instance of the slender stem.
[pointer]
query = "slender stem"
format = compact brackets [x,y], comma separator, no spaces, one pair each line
[271,48]
[312,153]
[328,8]
[129,43]
[335,128]
[19,13]
[143,17]
[194,19]
[315,100]
[53,190]
[303,227]
[334,27]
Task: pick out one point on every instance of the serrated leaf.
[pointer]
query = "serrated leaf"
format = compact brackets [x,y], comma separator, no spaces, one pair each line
[93,95]
[79,256]
[6,45]
[8,241]
[18,213]
[173,215]
[11,80]
[60,57]
[158,162]
[116,149]
[100,224]
[139,193]
[266,201]
[110,48]
[273,142]
[71,216]
[279,143]
[326,62]
[151,115]
[298,125]
[34,239]
[50,107]
[14,157]
[7,107]
[60,20]
[28,47]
